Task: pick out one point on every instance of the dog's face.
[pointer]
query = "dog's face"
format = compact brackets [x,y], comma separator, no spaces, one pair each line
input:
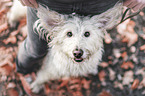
[79,39]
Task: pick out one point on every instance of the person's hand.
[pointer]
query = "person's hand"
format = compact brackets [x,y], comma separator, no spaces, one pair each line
[30,3]
[135,4]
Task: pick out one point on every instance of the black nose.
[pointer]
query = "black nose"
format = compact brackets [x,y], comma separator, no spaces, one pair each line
[78,53]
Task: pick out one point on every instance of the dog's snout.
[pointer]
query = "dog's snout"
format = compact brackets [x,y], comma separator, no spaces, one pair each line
[78,53]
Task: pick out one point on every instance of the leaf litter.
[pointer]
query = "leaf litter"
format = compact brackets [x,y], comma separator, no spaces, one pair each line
[121,72]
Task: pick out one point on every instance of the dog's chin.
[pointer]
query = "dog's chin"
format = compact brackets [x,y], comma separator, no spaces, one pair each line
[78,60]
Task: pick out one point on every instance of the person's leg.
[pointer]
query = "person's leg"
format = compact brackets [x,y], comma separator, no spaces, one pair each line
[33,47]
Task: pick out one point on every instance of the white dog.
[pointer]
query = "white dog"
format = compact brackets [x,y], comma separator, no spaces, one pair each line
[76,44]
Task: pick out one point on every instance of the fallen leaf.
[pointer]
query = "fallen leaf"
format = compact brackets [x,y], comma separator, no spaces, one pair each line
[11,39]
[142,83]
[104,64]
[118,85]
[3,27]
[127,78]
[25,84]
[135,84]
[111,74]
[47,89]
[104,93]
[3,11]
[6,70]
[77,93]
[141,71]
[11,85]
[86,84]
[141,13]
[127,65]
[142,47]
[64,83]
[133,49]
[116,53]
[124,54]
[102,75]
[130,38]
[126,30]
[12,92]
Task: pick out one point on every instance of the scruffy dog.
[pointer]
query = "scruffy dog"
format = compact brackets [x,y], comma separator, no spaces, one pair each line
[76,44]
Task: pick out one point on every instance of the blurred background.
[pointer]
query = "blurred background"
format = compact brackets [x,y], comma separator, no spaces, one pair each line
[121,72]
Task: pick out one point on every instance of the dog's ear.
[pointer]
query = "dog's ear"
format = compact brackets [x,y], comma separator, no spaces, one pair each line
[50,19]
[109,18]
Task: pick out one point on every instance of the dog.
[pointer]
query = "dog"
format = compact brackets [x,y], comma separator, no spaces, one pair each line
[75,43]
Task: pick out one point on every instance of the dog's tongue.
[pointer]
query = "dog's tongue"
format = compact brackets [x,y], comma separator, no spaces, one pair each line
[78,59]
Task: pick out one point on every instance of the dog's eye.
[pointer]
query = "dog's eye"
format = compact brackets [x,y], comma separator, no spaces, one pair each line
[87,34]
[69,34]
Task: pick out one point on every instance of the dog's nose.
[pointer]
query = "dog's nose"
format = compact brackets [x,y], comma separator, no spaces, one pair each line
[78,53]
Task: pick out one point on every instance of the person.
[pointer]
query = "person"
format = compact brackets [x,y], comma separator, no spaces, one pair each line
[33,48]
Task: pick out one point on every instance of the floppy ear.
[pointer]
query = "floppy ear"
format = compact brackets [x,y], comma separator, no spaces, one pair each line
[48,18]
[109,18]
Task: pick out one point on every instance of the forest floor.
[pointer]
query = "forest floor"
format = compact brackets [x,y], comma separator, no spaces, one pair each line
[121,72]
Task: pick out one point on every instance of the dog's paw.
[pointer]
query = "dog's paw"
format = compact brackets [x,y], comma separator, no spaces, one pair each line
[35,87]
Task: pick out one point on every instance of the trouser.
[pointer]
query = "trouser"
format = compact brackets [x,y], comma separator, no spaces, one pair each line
[33,48]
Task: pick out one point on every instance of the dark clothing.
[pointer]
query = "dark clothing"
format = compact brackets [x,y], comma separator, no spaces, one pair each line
[33,49]
[81,7]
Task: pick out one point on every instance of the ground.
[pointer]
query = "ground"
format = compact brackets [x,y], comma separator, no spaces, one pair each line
[121,72]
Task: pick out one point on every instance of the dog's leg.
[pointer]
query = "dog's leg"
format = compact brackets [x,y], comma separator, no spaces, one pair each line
[42,77]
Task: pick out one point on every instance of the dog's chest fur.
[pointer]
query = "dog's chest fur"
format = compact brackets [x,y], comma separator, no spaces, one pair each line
[57,65]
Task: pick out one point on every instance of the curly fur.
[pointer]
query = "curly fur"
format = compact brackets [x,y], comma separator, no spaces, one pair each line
[59,61]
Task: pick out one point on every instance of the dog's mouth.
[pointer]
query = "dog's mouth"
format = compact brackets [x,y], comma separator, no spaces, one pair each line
[78,60]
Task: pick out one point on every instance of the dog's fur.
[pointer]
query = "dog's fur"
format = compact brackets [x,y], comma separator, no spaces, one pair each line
[60,60]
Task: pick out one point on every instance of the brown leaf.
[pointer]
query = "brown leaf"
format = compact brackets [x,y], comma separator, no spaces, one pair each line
[3,11]
[86,83]
[130,26]
[11,39]
[12,92]
[77,93]
[142,83]
[141,13]
[102,75]
[3,27]
[104,64]
[25,84]
[6,70]
[130,38]
[124,54]
[118,85]
[104,93]
[64,83]
[75,86]
[127,65]
[142,47]
[47,89]
[135,84]
[126,30]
